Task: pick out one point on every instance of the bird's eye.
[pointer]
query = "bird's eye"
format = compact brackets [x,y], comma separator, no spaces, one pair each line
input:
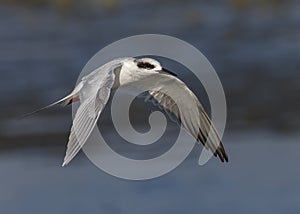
[145,65]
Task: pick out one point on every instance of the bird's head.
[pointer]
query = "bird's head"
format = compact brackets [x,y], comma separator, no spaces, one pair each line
[147,66]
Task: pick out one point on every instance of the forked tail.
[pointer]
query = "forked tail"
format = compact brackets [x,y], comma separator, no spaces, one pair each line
[64,101]
[72,97]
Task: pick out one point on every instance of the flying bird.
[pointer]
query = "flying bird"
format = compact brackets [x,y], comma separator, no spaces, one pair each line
[94,89]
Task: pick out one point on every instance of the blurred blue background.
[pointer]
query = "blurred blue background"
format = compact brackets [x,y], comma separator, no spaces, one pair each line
[254,47]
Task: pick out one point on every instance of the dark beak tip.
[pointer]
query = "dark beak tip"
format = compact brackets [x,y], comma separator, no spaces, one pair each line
[168,72]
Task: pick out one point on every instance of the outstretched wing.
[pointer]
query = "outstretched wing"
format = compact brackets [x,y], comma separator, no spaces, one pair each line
[179,101]
[93,98]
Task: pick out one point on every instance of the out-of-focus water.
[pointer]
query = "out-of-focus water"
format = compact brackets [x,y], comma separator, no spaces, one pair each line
[261,177]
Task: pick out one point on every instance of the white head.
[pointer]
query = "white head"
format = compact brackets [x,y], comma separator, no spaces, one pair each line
[146,66]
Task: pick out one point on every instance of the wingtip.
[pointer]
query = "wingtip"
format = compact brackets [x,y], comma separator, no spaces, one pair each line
[221,153]
[226,159]
[223,156]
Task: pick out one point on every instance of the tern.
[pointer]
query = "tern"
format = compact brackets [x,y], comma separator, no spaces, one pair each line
[93,92]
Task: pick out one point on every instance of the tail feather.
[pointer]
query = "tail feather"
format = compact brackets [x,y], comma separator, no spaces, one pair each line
[70,100]
[64,101]
[72,97]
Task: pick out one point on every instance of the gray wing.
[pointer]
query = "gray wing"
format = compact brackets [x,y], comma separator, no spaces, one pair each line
[93,98]
[188,111]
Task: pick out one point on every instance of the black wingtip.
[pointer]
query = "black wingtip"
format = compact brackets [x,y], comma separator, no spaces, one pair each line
[221,153]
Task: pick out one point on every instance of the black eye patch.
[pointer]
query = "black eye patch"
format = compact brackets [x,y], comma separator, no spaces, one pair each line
[145,65]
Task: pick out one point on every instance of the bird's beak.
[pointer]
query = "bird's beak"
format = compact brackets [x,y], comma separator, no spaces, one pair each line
[165,71]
